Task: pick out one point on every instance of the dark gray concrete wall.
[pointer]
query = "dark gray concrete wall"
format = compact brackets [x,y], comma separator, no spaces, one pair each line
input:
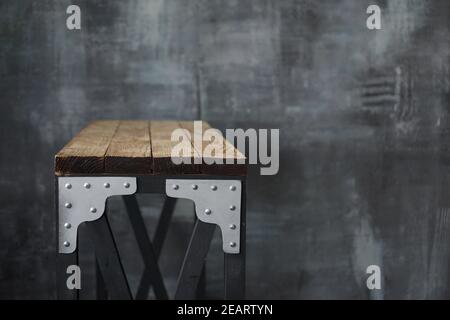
[364,173]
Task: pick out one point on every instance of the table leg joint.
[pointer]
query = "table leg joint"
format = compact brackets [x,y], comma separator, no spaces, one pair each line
[217,202]
[82,199]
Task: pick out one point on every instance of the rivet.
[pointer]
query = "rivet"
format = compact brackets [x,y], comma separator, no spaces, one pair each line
[232,208]
[208,211]
[68,186]
[68,205]
[87,185]
[213,188]
[232,244]
[194,186]
[66,243]
[93,210]
[232,188]
[67,225]
[175,187]
[106,185]
[126,185]
[232,226]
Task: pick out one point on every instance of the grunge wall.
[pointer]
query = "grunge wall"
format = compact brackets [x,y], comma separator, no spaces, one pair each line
[364,127]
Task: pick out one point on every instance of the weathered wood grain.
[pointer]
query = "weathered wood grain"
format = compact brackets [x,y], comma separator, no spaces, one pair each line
[215,163]
[193,136]
[162,145]
[145,147]
[85,153]
[130,149]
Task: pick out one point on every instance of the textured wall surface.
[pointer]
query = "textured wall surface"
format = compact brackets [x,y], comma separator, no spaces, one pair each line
[364,115]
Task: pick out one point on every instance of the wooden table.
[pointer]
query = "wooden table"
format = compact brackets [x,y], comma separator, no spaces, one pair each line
[123,158]
[136,147]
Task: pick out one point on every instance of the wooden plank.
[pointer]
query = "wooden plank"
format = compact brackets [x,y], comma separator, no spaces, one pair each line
[85,152]
[162,145]
[196,138]
[144,147]
[130,149]
[229,152]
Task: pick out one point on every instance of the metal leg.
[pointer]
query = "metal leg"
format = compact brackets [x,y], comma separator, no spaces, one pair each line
[194,260]
[163,224]
[201,288]
[63,261]
[234,264]
[152,273]
[158,241]
[108,259]
[218,202]
[221,203]
[83,199]
[101,291]
[234,276]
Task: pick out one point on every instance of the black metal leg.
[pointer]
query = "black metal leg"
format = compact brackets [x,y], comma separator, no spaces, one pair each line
[111,278]
[201,288]
[194,260]
[152,274]
[63,261]
[235,263]
[163,224]
[108,258]
[158,242]
[234,276]
[101,291]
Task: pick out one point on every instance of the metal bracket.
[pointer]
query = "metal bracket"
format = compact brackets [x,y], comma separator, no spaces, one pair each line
[82,199]
[217,202]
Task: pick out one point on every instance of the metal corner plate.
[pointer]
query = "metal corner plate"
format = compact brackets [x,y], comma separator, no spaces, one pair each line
[82,199]
[217,202]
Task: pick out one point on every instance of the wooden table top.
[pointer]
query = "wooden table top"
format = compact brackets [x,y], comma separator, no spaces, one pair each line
[139,147]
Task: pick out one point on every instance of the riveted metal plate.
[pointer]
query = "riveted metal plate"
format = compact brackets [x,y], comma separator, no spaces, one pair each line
[216,201]
[82,199]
